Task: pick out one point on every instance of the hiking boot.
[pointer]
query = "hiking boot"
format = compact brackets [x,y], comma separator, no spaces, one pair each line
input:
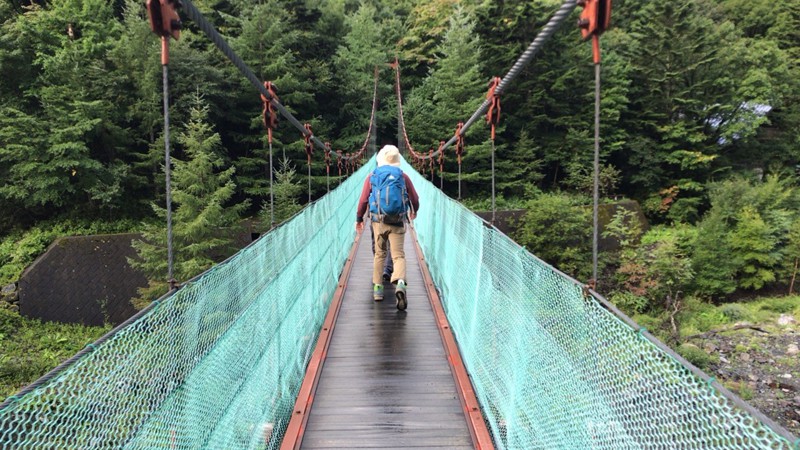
[400,293]
[377,292]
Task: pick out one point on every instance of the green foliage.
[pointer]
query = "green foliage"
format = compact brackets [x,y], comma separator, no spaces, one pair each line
[630,303]
[19,249]
[365,47]
[734,312]
[738,241]
[757,248]
[581,178]
[287,192]
[485,204]
[781,305]
[454,87]
[745,392]
[697,356]
[203,223]
[655,268]
[557,228]
[32,348]
[698,316]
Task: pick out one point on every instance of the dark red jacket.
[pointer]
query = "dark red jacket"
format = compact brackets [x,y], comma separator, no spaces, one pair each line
[363,202]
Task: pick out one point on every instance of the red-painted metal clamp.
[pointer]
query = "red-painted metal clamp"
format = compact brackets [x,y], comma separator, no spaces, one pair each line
[164,18]
[441,157]
[328,158]
[269,117]
[459,141]
[493,114]
[307,138]
[594,21]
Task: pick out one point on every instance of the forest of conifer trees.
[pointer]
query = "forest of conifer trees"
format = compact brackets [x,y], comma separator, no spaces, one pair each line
[700,124]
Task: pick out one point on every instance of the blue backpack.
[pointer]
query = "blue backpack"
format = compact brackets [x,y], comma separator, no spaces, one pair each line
[388,199]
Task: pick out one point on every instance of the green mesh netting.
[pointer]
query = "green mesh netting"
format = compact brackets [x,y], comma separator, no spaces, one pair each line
[555,370]
[217,365]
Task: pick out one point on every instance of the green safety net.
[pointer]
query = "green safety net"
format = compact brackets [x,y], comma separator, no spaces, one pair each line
[552,368]
[217,365]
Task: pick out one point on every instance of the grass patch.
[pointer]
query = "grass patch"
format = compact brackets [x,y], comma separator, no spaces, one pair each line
[697,356]
[699,317]
[745,392]
[780,305]
[31,348]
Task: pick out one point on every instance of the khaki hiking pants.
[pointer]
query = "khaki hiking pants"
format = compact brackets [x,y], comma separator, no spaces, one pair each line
[395,235]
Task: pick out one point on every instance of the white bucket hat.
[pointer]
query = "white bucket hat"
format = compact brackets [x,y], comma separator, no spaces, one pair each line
[390,155]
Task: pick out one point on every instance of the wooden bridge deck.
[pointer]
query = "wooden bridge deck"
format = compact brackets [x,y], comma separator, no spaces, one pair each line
[386,381]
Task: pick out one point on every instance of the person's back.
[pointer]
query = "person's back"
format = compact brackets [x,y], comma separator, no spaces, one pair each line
[392,199]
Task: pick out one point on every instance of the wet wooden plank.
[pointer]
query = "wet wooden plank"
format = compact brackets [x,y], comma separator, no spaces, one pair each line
[386,382]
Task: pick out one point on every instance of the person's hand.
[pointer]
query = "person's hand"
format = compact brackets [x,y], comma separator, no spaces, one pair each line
[412,215]
[359,227]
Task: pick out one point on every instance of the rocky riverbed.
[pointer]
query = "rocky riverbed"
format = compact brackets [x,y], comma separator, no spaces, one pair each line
[760,363]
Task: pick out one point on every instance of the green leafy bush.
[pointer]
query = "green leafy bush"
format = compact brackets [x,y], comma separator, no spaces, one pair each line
[557,228]
[734,312]
[696,356]
[629,303]
[32,348]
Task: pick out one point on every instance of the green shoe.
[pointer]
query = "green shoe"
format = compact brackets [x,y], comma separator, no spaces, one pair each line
[377,292]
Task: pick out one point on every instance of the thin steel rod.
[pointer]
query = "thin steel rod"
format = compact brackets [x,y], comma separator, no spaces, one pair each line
[596,189]
[167,167]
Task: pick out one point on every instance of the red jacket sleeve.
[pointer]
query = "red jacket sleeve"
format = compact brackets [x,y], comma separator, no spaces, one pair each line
[363,201]
[412,193]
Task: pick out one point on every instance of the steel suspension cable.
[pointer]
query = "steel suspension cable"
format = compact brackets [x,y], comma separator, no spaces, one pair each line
[553,24]
[372,117]
[223,46]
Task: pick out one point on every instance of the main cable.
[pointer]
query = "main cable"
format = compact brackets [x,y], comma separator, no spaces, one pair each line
[553,24]
[223,46]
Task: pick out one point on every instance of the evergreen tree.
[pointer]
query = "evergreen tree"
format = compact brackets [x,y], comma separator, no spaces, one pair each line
[364,48]
[287,192]
[756,246]
[451,93]
[426,25]
[265,45]
[204,224]
[695,96]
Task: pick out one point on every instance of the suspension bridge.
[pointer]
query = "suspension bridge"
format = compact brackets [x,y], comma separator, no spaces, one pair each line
[282,346]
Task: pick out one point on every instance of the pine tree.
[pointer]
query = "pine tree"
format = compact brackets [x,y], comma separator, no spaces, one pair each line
[697,84]
[204,222]
[364,48]
[287,191]
[755,244]
[451,93]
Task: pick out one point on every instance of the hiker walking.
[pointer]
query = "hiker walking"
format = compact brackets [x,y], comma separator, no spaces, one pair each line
[392,201]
